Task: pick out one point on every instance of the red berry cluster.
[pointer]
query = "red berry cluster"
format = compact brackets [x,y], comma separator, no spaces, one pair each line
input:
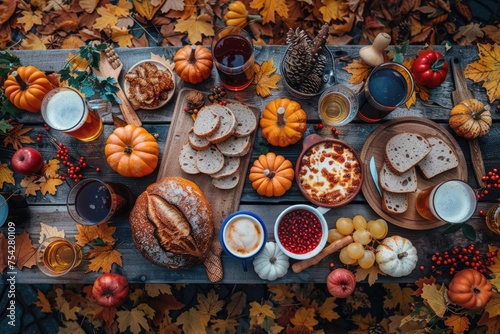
[318,126]
[300,231]
[335,132]
[491,180]
[74,170]
[461,258]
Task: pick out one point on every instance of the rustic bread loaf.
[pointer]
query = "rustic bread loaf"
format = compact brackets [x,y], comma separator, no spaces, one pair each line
[235,146]
[231,166]
[394,203]
[207,122]
[404,183]
[228,182]
[245,118]
[198,143]
[405,150]
[227,124]
[209,161]
[187,159]
[172,223]
[440,159]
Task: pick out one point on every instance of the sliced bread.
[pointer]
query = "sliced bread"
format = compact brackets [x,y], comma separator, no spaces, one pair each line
[235,146]
[405,150]
[187,159]
[404,183]
[440,159]
[227,124]
[207,122]
[394,203]
[196,142]
[209,161]
[231,166]
[245,118]
[228,182]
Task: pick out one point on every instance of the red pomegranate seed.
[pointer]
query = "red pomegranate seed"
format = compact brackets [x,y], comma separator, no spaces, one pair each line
[299,231]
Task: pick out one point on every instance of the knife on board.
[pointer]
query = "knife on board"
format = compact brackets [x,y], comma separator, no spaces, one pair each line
[374,173]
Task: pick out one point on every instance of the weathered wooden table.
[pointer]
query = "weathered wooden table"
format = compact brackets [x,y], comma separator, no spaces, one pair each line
[51,210]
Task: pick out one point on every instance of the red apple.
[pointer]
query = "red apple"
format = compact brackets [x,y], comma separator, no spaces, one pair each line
[341,283]
[27,161]
[110,290]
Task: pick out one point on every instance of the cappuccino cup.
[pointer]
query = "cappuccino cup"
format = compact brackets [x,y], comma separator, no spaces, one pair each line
[243,235]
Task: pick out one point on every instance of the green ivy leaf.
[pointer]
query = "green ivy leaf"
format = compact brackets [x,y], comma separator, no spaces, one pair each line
[5,125]
[453,228]
[469,232]
[7,62]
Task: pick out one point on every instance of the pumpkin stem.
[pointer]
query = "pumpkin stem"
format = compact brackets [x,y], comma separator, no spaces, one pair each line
[192,56]
[128,150]
[281,117]
[22,84]
[272,260]
[269,173]
[477,114]
[402,255]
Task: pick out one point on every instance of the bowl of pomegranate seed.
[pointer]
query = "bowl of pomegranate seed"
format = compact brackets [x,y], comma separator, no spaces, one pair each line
[301,231]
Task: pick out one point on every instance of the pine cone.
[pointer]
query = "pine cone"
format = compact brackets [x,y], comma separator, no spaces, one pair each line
[296,61]
[311,84]
[376,329]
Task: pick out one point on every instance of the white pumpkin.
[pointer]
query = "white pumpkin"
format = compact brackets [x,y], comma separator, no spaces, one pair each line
[271,263]
[396,256]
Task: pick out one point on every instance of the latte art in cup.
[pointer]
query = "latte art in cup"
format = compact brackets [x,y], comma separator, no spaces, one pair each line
[243,236]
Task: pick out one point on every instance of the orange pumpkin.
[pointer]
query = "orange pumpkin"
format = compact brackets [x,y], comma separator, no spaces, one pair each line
[132,151]
[283,122]
[271,175]
[470,289]
[26,87]
[470,119]
[193,63]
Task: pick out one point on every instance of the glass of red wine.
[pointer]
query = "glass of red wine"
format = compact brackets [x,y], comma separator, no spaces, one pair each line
[232,51]
[388,86]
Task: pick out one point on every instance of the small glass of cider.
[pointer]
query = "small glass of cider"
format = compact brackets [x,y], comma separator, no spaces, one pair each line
[493,218]
[337,106]
[57,256]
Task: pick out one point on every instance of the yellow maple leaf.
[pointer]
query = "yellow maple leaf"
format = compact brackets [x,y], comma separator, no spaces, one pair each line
[372,274]
[30,18]
[190,321]
[225,325]
[47,231]
[43,302]
[154,290]
[51,168]
[268,8]
[32,42]
[196,26]
[16,137]
[122,36]
[6,175]
[304,317]
[334,9]
[259,312]
[398,296]
[359,71]
[364,322]
[30,184]
[122,9]
[89,233]
[77,62]
[49,185]
[493,306]
[64,307]
[265,78]
[133,319]
[281,291]
[327,309]
[72,42]
[434,296]
[459,323]
[103,257]
[486,69]
[105,19]
[209,304]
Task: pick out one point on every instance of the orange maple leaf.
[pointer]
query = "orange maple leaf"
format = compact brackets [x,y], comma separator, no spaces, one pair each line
[268,8]
[89,233]
[30,18]
[305,317]
[334,10]
[6,175]
[196,27]
[25,251]
[103,257]
[122,36]
[51,168]
[486,69]
[30,185]
[265,78]
[49,185]
[371,273]
[359,71]
[43,302]
[460,324]
[16,137]
[420,283]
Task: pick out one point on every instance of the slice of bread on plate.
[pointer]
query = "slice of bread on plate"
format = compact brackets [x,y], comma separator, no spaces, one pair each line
[245,118]
[209,161]
[405,150]
[207,122]
[235,146]
[404,183]
[196,142]
[393,203]
[231,166]
[440,159]
[187,159]
[228,182]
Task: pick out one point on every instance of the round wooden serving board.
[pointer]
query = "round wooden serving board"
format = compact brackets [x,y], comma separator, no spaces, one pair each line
[375,146]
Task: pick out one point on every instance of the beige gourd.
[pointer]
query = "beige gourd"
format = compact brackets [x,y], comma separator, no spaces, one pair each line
[271,263]
[374,54]
[396,256]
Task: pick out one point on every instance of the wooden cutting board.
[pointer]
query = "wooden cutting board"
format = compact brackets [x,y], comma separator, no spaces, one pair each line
[223,202]
[375,146]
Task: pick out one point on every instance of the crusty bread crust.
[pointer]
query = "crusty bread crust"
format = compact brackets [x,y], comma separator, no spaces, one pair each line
[187,198]
[403,151]
[393,203]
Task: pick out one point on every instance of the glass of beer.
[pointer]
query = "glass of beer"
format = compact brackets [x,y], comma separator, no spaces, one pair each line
[388,86]
[64,109]
[452,201]
[92,201]
[493,218]
[243,235]
[337,106]
[57,256]
[232,51]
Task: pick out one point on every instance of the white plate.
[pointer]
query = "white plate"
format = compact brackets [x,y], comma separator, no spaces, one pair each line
[161,66]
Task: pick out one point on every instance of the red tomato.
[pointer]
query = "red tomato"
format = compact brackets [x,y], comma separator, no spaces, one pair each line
[430,69]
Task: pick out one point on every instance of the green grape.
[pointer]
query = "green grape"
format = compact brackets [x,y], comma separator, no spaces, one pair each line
[334,234]
[344,258]
[367,260]
[344,225]
[364,237]
[378,228]
[359,222]
[355,250]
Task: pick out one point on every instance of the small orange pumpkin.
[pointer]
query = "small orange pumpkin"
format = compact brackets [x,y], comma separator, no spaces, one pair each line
[283,122]
[470,289]
[271,175]
[193,63]
[132,151]
[26,86]
[470,119]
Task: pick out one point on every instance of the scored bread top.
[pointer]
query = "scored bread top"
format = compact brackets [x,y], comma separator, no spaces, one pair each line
[207,122]
[405,150]
[246,121]
[440,159]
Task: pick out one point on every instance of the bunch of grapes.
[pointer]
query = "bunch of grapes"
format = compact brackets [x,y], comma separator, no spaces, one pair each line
[361,251]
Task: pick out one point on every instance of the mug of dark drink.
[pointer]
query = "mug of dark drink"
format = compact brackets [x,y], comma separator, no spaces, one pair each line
[452,201]
[232,52]
[64,109]
[92,201]
[388,86]
[243,235]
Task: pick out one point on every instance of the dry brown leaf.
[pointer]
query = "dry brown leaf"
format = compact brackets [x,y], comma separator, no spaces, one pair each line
[471,32]
[25,251]
[88,5]
[334,10]
[6,175]
[371,273]
[16,137]
[122,36]
[89,233]
[32,42]
[7,8]
[103,257]
[49,185]
[30,18]
[4,263]
[148,8]
[486,69]
[43,303]
[359,71]
[493,32]
[30,185]
[196,27]
[265,78]
[133,319]
[464,9]
[72,42]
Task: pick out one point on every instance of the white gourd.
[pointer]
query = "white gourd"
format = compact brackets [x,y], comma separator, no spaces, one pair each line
[396,256]
[271,263]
